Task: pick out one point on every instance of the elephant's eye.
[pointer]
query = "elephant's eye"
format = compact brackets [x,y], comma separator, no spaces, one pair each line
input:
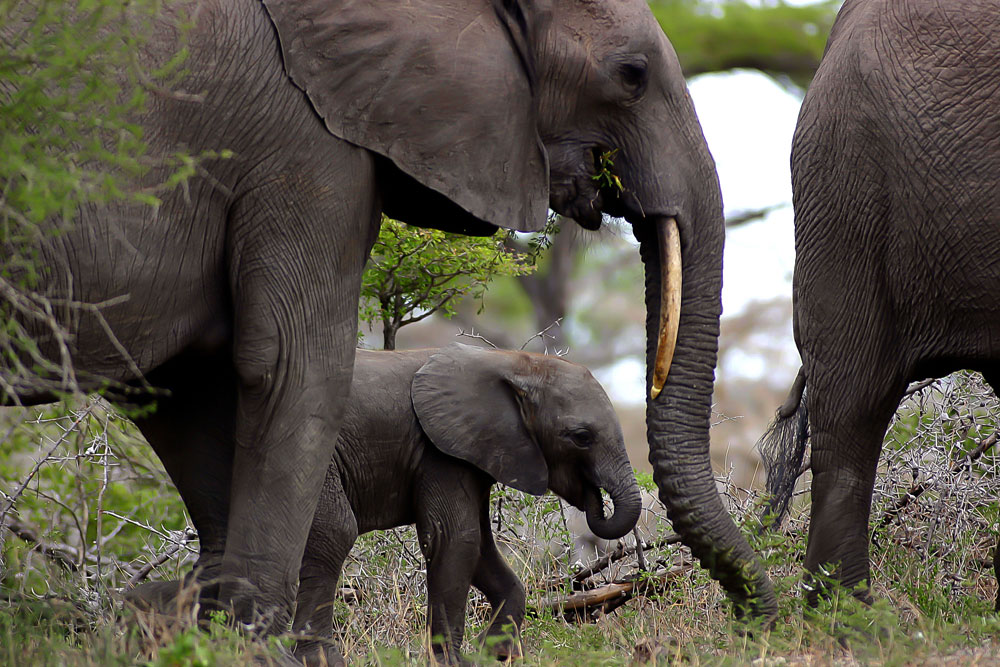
[583,437]
[634,75]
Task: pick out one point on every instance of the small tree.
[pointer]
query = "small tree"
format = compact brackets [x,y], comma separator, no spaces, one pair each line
[414,273]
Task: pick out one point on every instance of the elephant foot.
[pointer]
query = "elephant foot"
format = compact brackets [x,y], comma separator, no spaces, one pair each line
[444,656]
[175,599]
[503,647]
[314,653]
[249,608]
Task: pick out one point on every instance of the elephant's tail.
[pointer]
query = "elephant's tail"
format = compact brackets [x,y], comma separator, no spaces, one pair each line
[782,447]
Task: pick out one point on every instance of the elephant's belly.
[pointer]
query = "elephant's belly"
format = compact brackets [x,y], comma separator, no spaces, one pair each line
[145,290]
[380,490]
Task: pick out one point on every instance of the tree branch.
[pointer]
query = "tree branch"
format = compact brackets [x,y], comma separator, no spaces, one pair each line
[918,488]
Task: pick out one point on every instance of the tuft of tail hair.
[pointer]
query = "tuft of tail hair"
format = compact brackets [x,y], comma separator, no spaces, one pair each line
[782,448]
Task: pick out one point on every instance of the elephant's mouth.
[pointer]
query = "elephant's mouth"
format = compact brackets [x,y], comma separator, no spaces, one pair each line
[591,190]
[595,188]
[578,198]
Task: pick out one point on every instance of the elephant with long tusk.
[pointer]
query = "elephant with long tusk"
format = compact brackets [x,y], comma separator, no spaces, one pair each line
[464,115]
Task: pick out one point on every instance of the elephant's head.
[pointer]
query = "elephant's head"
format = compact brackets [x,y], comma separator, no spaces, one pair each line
[484,113]
[532,422]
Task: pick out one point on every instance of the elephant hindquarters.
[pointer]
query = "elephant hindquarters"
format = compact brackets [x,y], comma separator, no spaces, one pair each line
[192,432]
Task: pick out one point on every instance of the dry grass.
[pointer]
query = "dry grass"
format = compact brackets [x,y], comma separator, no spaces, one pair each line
[94,511]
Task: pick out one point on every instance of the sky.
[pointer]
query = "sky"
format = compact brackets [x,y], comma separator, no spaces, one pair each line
[748,120]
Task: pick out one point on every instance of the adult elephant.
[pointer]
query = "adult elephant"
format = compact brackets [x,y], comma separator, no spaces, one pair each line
[895,168]
[463,115]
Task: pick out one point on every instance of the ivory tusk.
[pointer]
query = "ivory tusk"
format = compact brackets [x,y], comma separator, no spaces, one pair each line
[669,245]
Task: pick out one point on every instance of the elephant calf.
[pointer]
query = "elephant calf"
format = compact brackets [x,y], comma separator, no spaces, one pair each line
[425,436]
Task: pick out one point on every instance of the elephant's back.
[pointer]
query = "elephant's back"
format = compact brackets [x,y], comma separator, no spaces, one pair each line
[384,375]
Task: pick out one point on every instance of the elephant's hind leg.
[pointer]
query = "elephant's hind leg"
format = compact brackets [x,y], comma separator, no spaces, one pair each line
[191,431]
[504,591]
[849,413]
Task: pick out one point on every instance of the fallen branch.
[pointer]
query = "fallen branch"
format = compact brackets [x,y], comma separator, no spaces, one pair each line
[618,554]
[586,606]
[63,554]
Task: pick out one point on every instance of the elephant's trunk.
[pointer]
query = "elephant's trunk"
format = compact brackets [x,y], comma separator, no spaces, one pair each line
[627,499]
[678,415]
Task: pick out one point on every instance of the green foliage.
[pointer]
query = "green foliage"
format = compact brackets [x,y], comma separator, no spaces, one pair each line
[188,649]
[72,90]
[67,127]
[414,272]
[782,40]
[81,481]
[605,176]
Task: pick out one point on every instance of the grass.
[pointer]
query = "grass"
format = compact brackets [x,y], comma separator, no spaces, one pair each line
[100,503]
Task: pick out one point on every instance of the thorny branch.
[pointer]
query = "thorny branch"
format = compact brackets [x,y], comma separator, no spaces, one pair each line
[472,334]
[83,414]
[543,334]
[187,536]
[918,488]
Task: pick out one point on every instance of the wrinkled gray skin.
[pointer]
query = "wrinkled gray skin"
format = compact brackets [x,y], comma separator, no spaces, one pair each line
[243,289]
[537,422]
[895,168]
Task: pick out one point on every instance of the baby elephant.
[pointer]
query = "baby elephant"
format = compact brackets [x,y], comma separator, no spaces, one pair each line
[425,436]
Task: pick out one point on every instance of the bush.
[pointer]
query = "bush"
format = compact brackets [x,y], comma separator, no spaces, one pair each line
[98,511]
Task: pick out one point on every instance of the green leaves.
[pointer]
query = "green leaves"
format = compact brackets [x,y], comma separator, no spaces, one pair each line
[605,176]
[785,41]
[73,88]
[415,272]
[67,135]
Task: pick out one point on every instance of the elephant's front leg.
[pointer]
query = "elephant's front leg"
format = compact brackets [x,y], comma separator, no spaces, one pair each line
[295,272]
[504,591]
[450,540]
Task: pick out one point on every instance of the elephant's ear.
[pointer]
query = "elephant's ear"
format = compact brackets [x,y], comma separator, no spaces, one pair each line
[470,411]
[443,88]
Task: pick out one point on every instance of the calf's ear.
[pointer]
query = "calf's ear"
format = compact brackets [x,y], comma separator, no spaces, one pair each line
[470,411]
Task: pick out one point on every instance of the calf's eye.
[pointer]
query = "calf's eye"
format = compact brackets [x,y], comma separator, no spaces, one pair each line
[582,438]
